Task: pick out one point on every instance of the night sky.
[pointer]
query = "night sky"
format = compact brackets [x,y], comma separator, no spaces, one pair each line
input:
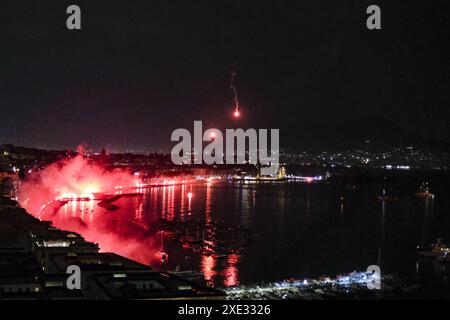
[140,69]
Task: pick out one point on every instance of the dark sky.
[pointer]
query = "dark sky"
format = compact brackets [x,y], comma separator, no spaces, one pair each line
[140,69]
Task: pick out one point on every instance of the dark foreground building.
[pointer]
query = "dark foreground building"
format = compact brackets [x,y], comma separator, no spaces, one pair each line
[34,257]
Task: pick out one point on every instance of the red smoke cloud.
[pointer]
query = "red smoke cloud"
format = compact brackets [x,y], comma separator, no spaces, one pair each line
[78,178]
[70,178]
[81,149]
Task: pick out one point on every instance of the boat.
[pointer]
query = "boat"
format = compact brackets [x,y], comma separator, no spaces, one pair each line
[424,192]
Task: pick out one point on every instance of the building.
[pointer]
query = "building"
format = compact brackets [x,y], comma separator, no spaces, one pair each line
[34,257]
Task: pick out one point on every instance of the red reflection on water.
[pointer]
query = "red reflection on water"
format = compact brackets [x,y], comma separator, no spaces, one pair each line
[190,201]
[171,204]
[182,202]
[208,264]
[231,271]
[208,203]
[164,204]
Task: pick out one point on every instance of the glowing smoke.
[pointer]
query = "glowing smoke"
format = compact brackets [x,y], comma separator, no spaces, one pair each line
[235,92]
[78,178]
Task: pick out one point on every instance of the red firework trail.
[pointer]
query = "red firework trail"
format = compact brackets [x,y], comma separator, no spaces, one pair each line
[235,92]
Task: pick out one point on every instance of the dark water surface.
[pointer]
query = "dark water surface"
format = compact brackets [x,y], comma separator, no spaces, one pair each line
[238,233]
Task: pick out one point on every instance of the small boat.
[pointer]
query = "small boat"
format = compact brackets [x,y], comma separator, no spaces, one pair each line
[424,192]
[384,197]
[444,256]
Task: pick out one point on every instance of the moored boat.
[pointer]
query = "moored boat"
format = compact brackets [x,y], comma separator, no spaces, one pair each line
[433,250]
[424,192]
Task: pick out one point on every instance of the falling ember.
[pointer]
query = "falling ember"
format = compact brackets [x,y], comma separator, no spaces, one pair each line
[236,113]
[70,179]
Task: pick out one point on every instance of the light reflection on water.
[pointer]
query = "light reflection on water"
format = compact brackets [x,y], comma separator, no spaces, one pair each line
[246,233]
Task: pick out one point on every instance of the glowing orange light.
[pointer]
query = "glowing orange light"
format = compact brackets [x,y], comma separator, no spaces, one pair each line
[213,135]
[236,114]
